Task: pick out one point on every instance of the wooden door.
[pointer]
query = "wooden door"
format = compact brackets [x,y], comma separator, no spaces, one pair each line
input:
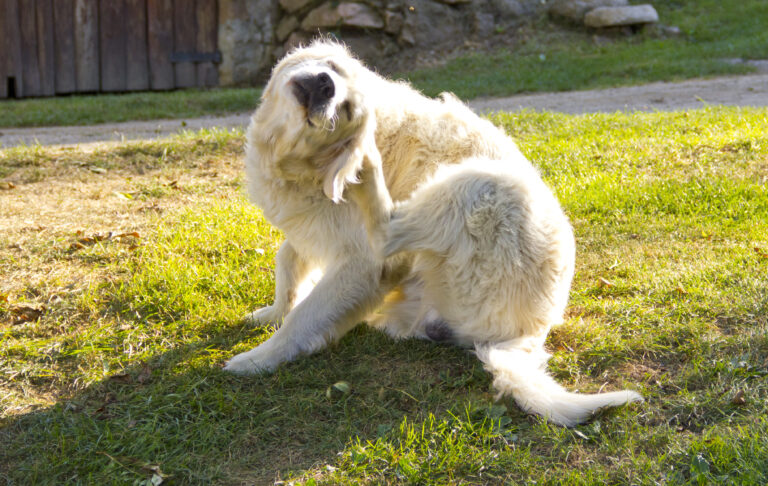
[52,47]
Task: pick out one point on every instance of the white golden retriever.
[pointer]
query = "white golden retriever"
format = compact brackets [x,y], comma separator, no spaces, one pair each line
[478,251]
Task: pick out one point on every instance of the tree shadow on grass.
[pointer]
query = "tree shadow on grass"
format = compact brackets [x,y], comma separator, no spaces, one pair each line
[179,415]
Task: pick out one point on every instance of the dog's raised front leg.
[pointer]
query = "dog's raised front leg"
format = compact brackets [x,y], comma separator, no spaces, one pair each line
[339,301]
[372,197]
[290,270]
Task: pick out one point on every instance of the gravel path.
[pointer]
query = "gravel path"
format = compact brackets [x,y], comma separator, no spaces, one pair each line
[750,90]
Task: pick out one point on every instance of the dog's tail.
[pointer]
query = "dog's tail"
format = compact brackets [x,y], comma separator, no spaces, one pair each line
[520,372]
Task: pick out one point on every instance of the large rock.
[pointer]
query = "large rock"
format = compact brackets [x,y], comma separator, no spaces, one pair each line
[245,40]
[429,23]
[575,10]
[509,8]
[483,23]
[346,14]
[294,5]
[287,25]
[394,21]
[618,16]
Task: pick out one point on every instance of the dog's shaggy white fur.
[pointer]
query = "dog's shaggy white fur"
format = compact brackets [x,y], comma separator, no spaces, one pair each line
[477,252]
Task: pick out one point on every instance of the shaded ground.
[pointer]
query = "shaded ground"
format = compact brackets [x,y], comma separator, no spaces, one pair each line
[751,90]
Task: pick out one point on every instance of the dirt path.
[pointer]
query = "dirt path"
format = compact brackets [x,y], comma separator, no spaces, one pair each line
[751,90]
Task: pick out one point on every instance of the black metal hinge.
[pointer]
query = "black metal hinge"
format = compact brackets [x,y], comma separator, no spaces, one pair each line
[214,57]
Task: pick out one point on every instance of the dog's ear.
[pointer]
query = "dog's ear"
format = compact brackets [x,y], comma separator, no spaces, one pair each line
[344,168]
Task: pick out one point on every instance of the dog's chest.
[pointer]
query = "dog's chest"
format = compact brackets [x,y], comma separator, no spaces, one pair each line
[313,224]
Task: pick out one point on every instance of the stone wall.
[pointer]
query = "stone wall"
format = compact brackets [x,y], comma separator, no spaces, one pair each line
[246,40]
[254,33]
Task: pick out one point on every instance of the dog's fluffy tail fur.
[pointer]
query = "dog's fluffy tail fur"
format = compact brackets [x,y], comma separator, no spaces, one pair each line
[521,374]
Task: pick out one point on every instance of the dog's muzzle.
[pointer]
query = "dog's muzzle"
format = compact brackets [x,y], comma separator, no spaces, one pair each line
[313,91]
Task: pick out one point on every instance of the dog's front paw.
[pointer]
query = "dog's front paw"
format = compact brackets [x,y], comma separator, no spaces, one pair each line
[264,316]
[249,363]
[262,359]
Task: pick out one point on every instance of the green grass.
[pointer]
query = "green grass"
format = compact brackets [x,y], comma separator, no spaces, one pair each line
[551,59]
[548,57]
[120,383]
[94,109]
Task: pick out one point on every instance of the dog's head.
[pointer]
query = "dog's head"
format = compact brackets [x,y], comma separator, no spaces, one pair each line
[314,116]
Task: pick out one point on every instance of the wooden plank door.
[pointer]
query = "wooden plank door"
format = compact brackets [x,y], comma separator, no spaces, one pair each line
[45,54]
[10,57]
[65,46]
[207,40]
[160,43]
[184,42]
[5,63]
[64,41]
[112,45]
[137,64]
[86,45]
[30,65]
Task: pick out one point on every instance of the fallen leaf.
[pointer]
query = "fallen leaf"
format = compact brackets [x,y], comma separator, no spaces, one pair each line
[7,186]
[76,246]
[580,434]
[121,378]
[132,234]
[681,290]
[738,398]
[98,170]
[123,195]
[144,375]
[761,252]
[27,311]
[152,207]
[171,184]
[604,283]
[337,390]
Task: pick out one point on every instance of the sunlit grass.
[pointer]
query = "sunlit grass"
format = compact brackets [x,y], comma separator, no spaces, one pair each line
[119,381]
[546,56]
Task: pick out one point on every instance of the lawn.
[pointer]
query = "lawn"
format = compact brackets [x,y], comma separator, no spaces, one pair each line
[547,57]
[550,58]
[126,268]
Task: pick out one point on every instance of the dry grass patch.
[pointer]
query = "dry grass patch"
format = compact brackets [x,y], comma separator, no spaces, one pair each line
[72,216]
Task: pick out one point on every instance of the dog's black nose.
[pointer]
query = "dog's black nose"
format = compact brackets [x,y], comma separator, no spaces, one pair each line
[313,91]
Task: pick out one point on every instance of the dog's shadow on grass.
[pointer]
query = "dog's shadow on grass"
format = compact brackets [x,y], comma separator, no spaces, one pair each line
[179,414]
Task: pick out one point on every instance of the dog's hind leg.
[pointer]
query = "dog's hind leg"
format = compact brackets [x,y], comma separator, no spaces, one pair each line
[399,315]
[291,269]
